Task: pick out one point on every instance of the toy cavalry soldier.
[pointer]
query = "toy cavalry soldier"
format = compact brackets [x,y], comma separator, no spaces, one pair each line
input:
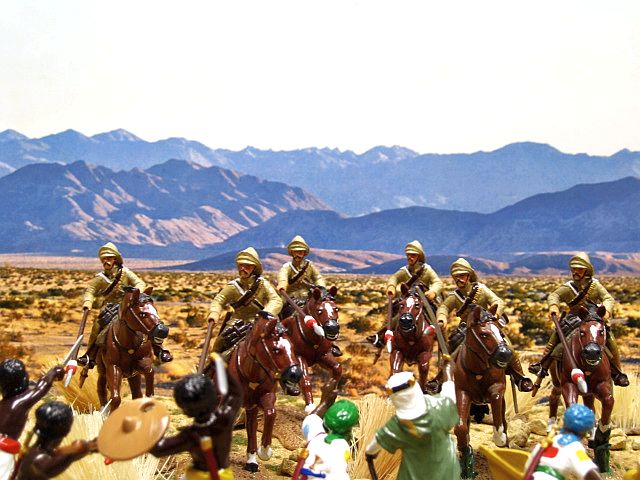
[469,292]
[208,438]
[45,459]
[17,400]
[105,291]
[242,299]
[416,273]
[299,275]
[583,290]
[563,454]
[420,428]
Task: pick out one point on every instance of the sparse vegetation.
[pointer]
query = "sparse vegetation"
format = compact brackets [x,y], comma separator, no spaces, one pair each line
[40,311]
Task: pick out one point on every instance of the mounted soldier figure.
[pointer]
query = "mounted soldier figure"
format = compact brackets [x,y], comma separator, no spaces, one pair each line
[299,275]
[583,290]
[298,278]
[470,292]
[106,291]
[242,299]
[417,272]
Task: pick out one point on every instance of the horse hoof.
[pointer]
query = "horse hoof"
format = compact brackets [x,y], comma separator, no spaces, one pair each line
[265,453]
[250,467]
[499,438]
[310,408]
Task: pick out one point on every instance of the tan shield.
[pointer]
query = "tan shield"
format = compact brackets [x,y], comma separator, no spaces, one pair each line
[133,429]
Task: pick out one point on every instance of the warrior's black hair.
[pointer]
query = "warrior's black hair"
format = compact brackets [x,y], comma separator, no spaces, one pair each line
[195,395]
[14,378]
[53,420]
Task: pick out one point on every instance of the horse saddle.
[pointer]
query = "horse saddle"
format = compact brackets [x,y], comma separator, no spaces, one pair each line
[233,334]
[105,317]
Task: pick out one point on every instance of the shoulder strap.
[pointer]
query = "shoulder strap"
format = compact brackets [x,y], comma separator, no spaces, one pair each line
[247,295]
[113,284]
[300,273]
[583,293]
[467,300]
[415,276]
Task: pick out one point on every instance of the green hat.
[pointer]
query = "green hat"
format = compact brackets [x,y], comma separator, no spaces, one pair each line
[461,266]
[340,418]
[415,248]
[297,243]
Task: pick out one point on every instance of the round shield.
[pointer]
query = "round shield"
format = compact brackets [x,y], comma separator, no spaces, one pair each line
[133,429]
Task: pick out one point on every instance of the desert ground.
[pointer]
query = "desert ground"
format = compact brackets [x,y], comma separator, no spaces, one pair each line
[40,310]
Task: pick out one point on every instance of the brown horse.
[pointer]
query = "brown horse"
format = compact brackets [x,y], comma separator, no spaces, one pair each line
[413,337]
[587,344]
[127,352]
[264,358]
[313,347]
[479,372]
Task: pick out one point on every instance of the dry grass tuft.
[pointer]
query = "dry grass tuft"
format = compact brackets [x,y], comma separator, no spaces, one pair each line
[374,413]
[626,410]
[146,467]
[83,400]
[525,401]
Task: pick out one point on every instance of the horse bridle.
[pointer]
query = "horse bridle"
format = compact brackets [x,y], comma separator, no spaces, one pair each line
[271,377]
[484,347]
[139,335]
[415,317]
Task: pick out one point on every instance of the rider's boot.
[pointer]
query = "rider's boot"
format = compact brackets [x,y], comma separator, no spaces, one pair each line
[514,369]
[377,339]
[545,361]
[89,358]
[161,353]
[618,377]
[335,350]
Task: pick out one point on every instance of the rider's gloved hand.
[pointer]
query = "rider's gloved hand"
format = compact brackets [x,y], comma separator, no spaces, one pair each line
[553,309]
[391,291]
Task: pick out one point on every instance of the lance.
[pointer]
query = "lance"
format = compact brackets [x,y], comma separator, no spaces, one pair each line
[388,335]
[308,319]
[431,318]
[577,375]
[70,363]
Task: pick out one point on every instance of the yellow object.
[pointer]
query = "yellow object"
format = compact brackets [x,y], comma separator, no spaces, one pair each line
[505,463]
[250,256]
[225,474]
[633,474]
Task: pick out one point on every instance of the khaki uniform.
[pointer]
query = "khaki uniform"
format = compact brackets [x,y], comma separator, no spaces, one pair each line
[311,276]
[596,295]
[92,295]
[485,298]
[428,277]
[264,298]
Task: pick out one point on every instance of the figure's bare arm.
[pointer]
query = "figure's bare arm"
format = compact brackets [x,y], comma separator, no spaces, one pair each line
[172,445]
[32,396]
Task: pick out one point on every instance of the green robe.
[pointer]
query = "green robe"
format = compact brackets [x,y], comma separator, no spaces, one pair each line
[428,450]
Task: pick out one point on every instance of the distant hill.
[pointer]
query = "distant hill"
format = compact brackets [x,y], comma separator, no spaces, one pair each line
[382,178]
[601,216]
[380,263]
[170,209]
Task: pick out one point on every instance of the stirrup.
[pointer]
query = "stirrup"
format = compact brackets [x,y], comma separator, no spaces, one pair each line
[524,384]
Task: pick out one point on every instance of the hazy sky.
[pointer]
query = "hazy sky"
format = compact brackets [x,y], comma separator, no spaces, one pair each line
[433,76]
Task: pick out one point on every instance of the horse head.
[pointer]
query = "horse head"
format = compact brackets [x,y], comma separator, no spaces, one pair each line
[410,309]
[140,315]
[592,335]
[270,346]
[322,307]
[484,337]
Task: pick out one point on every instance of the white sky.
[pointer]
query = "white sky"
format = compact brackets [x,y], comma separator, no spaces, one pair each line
[433,76]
